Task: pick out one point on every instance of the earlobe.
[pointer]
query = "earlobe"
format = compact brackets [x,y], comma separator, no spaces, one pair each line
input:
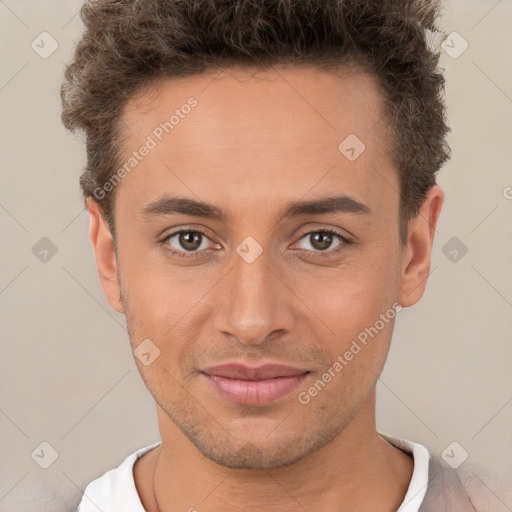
[416,254]
[104,251]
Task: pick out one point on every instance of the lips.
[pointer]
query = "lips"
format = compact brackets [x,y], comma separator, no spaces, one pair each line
[254,386]
[239,371]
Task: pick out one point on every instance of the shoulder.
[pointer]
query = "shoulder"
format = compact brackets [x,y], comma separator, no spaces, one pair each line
[445,491]
[115,490]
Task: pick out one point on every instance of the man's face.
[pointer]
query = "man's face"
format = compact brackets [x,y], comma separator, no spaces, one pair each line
[251,146]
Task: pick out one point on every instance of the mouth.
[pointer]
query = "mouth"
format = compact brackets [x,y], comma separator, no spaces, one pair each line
[254,386]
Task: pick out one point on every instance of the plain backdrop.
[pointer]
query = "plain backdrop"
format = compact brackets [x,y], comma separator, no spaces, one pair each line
[68,377]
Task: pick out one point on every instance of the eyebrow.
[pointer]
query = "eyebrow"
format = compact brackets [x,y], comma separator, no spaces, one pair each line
[168,205]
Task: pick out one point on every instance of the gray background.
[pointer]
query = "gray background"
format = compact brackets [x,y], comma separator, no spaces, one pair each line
[67,374]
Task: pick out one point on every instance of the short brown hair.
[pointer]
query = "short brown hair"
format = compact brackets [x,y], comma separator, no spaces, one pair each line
[127,44]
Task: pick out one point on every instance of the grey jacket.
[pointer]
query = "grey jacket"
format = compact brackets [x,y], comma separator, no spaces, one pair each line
[445,492]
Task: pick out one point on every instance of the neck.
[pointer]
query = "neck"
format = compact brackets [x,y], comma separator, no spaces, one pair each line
[357,471]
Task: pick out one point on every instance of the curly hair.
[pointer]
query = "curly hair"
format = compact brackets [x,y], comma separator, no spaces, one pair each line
[127,44]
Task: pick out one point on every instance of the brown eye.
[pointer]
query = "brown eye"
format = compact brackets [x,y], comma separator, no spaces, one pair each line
[323,240]
[190,240]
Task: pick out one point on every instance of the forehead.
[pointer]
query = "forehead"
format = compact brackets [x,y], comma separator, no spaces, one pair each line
[279,99]
[273,129]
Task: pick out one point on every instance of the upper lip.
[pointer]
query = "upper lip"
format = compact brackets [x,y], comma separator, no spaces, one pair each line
[243,372]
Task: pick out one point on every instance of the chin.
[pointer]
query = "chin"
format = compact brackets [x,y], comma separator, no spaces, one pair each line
[250,456]
[261,452]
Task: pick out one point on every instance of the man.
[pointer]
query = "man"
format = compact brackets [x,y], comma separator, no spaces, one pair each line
[261,188]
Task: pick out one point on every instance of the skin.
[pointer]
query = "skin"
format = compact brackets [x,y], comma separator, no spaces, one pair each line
[255,142]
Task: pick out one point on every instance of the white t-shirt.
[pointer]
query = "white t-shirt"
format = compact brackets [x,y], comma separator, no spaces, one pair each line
[115,490]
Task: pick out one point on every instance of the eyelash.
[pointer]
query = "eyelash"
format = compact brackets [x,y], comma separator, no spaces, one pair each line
[345,241]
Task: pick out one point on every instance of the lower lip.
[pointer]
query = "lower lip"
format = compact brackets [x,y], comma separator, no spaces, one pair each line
[255,392]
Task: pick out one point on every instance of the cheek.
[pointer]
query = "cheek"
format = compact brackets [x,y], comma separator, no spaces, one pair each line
[357,357]
[356,303]
[165,299]
[350,297]
[164,305]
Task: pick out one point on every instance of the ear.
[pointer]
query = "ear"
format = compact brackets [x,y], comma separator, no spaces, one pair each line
[416,254]
[104,251]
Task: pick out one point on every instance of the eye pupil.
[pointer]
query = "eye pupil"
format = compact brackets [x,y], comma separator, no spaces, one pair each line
[190,240]
[321,240]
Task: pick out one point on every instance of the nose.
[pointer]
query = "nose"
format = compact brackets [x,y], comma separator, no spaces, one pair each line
[254,303]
